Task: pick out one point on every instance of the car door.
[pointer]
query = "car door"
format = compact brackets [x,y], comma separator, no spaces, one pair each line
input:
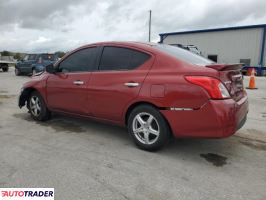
[118,81]
[26,65]
[67,88]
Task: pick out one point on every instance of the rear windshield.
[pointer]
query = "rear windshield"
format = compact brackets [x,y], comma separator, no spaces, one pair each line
[184,55]
[51,57]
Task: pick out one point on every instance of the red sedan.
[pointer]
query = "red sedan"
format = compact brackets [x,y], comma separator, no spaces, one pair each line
[155,90]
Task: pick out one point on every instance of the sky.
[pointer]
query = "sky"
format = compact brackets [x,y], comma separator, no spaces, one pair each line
[61,25]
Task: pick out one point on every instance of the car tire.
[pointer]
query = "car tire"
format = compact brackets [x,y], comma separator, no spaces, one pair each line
[5,68]
[148,128]
[37,107]
[17,72]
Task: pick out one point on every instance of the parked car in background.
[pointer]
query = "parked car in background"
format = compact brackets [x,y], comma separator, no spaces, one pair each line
[189,47]
[5,61]
[155,90]
[34,63]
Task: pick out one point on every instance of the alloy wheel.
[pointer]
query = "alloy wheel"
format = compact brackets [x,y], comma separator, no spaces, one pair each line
[146,128]
[35,106]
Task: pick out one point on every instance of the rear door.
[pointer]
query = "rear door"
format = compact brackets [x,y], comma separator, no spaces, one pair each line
[67,89]
[118,81]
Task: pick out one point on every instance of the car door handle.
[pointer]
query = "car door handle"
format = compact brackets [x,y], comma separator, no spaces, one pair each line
[78,82]
[131,84]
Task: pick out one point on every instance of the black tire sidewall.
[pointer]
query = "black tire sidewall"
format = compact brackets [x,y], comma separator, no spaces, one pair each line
[45,113]
[5,69]
[163,126]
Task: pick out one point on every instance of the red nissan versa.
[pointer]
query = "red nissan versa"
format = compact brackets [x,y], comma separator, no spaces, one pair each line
[155,90]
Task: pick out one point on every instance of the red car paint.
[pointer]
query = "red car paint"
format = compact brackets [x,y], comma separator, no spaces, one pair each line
[188,107]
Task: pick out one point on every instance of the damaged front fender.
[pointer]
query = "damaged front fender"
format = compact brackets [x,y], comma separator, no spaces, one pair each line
[24,96]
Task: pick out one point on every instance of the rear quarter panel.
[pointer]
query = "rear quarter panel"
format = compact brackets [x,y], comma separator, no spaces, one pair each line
[168,73]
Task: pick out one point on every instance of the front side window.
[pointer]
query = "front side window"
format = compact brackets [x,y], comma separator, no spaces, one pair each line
[80,61]
[118,58]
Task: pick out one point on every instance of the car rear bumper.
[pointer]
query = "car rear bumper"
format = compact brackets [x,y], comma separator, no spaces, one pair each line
[215,119]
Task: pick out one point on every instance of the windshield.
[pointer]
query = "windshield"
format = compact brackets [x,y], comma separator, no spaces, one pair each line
[184,55]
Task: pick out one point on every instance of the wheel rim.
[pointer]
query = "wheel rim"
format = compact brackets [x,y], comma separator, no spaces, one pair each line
[35,106]
[33,72]
[146,128]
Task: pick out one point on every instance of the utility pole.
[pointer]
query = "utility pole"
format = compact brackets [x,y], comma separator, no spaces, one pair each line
[150,26]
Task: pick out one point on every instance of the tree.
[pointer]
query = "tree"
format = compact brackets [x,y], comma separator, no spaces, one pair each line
[60,54]
[6,53]
[18,56]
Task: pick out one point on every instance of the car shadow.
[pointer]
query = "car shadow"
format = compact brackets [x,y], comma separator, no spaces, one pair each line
[215,151]
[74,125]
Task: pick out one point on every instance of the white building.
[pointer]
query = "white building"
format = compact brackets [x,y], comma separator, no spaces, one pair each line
[243,44]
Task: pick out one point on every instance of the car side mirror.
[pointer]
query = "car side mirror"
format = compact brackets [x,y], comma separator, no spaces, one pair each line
[50,69]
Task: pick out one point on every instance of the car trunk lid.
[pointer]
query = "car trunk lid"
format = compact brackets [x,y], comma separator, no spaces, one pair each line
[232,78]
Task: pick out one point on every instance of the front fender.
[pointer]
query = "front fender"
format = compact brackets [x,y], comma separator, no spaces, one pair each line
[37,83]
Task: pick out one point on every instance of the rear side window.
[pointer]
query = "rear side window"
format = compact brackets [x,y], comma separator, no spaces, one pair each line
[184,55]
[82,60]
[118,58]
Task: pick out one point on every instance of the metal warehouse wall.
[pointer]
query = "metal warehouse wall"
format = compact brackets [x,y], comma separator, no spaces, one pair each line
[229,45]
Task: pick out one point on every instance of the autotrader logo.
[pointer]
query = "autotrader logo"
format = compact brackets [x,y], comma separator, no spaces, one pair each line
[26,193]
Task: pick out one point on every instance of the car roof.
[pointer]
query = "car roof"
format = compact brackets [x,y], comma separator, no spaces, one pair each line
[144,45]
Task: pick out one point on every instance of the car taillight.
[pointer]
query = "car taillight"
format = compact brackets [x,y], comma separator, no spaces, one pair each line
[213,86]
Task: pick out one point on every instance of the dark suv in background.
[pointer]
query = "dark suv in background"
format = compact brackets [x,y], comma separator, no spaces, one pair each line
[34,63]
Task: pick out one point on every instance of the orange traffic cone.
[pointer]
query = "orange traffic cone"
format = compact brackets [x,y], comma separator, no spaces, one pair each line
[252,84]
